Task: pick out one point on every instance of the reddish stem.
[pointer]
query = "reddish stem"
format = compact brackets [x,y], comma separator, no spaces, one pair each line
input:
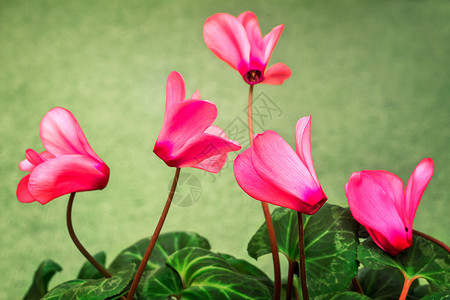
[406,286]
[77,242]
[432,239]
[154,238]
[357,286]
[266,211]
[290,280]
[301,247]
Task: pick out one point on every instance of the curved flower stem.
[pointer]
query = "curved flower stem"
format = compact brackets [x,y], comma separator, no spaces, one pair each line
[155,235]
[301,248]
[77,243]
[290,279]
[266,211]
[432,239]
[406,286]
[357,286]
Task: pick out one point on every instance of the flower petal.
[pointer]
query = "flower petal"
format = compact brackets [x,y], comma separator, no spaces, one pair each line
[214,163]
[417,184]
[66,174]
[23,195]
[250,22]
[276,74]
[257,188]
[190,117]
[196,95]
[270,41]
[175,92]
[61,134]
[303,144]
[226,38]
[371,197]
[278,164]
[29,165]
[199,148]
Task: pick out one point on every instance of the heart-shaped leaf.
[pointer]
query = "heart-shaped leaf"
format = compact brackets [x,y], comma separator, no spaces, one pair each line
[388,284]
[424,259]
[330,245]
[160,284]
[93,289]
[46,270]
[206,275]
[167,244]
[88,271]
[343,296]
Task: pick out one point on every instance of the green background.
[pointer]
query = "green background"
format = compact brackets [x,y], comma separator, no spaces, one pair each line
[373,74]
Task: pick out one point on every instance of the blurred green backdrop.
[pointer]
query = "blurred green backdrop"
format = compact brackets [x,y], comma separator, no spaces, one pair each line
[373,74]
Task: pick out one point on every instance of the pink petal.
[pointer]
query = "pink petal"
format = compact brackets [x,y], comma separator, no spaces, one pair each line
[66,174]
[417,184]
[28,165]
[175,92]
[276,163]
[190,117]
[215,163]
[303,144]
[196,95]
[276,74]
[199,148]
[249,21]
[61,134]
[257,188]
[270,41]
[382,242]
[226,38]
[371,197]
[23,195]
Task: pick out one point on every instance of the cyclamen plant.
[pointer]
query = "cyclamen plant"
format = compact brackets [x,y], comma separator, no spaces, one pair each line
[330,255]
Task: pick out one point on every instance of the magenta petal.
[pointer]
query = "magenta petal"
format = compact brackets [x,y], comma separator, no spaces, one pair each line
[278,164]
[175,92]
[417,184]
[270,41]
[276,74]
[393,248]
[23,195]
[30,163]
[214,163]
[226,38]
[61,134]
[202,146]
[257,188]
[66,174]
[249,21]
[189,118]
[303,144]
[371,197]
[196,95]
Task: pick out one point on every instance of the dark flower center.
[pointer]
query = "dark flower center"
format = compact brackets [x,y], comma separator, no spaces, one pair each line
[253,77]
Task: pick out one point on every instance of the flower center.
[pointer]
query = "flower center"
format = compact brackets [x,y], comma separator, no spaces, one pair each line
[253,77]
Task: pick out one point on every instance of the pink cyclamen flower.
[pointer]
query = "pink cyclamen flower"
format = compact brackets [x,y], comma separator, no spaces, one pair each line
[187,138]
[271,171]
[379,202]
[68,165]
[238,42]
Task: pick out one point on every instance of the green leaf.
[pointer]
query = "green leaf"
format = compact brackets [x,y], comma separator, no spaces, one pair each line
[46,270]
[438,296]
[206,275]
[343,296]
[88,271]
[167,244]
[246,268]
[330,245]
[424,259]
[388,284]
[93,289]
[160,284]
